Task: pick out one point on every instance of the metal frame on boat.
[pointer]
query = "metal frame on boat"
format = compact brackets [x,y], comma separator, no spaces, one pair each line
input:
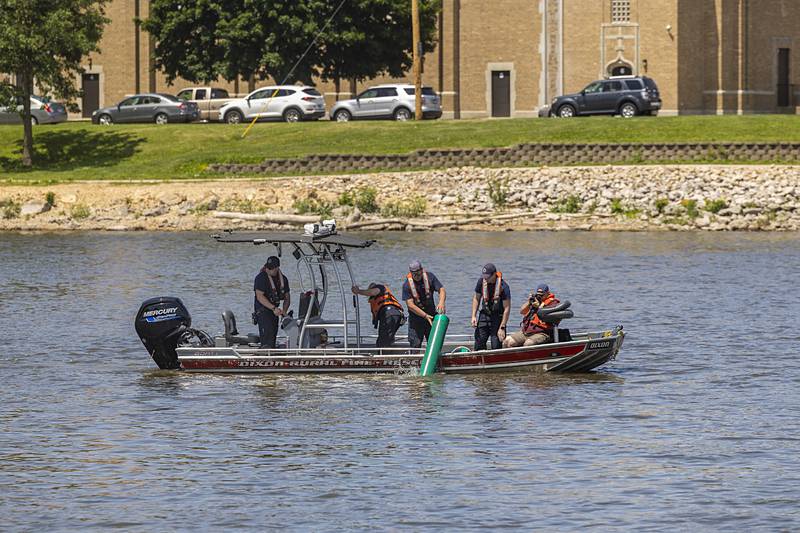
[325,276]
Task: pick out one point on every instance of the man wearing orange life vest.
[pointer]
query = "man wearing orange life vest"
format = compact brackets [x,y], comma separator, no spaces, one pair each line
[387,313]
[270,286]
[491,305]
[418,291]
[534,331]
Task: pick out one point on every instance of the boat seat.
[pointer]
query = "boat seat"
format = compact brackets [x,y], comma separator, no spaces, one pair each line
[232,335]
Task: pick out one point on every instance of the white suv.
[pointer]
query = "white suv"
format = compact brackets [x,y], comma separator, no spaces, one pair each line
[291,103]
[387,101]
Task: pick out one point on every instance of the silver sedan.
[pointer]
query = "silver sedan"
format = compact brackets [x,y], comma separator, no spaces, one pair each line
[151,107]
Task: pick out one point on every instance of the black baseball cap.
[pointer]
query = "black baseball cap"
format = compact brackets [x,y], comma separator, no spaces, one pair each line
[273,262]
[489,270]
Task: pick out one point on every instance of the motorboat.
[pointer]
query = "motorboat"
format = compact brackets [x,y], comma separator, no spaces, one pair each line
[326,335]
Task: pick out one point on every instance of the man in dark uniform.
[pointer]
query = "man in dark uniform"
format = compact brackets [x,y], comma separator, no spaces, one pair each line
[491,306]
[387,313]
[271,287]
[418,291]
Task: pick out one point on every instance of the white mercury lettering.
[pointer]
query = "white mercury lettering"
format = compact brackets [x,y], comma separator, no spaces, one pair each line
[156,312]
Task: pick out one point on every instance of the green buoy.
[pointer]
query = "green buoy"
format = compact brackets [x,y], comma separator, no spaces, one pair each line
[435,342]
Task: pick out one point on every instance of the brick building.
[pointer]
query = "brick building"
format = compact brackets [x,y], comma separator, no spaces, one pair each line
[510,57]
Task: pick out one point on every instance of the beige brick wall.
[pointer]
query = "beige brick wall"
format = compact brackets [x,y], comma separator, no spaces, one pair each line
[706,63]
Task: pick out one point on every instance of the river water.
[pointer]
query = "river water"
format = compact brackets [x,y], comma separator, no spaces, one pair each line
[695,426]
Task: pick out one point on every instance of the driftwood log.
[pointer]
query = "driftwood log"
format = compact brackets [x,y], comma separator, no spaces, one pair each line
[277,218]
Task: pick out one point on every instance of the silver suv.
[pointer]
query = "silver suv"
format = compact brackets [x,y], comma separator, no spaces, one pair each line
[387,101]
[290,103]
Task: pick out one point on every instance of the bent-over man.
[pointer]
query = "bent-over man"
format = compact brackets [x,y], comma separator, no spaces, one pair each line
[387,313]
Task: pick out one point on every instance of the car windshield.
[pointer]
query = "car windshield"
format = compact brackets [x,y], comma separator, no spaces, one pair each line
[312,92]
[650,83]
[168,97]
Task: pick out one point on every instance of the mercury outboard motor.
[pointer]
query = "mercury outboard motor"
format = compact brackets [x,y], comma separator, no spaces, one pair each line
[161,323]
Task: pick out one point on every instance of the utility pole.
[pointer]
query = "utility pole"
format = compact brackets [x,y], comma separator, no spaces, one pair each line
[417,46]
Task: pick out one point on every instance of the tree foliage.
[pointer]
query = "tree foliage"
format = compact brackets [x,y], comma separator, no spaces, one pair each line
[43,42]
[370,38]
[202,40]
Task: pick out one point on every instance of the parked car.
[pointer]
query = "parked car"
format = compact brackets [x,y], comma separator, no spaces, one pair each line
[387,101]
[43,111]
[627,96]
[150,107]
[291,103]
[208,99]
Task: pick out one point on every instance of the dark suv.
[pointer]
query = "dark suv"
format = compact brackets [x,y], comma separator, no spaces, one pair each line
[627,96]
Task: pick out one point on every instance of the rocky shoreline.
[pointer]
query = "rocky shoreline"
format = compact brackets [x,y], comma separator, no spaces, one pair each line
[620,198]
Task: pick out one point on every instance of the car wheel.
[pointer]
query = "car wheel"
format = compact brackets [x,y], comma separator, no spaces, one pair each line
[105,120]
[162,118]
[292,115]
[566,111]
[628,110]
[402,114]
[34,121]
[234,117]
[342,116]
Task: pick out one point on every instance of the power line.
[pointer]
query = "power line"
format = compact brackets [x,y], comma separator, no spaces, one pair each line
[308,49]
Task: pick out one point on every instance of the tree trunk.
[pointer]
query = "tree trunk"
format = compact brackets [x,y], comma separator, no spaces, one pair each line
[337,83]
[27,141]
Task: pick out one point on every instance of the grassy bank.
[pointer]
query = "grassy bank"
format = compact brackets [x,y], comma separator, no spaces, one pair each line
[82,151]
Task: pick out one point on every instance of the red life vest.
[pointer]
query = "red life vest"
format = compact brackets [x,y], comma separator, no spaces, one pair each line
[377,302]
[413,287]
[532,323]
[276,292]
[490,303]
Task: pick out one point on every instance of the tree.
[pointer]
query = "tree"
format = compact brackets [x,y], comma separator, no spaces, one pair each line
[370,38]
[42,42]
[202,40]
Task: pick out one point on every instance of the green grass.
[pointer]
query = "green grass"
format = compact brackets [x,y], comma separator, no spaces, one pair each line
[82,151]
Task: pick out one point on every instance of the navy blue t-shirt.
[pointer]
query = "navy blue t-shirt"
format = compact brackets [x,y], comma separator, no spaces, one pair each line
[434,282]
[262,284]
[505,292]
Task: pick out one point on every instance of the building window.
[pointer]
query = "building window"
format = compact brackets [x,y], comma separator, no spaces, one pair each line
[620,11]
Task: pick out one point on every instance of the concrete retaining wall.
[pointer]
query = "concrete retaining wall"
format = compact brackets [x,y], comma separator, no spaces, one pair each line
[524,155]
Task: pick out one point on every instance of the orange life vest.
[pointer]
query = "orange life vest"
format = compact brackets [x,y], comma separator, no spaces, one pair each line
[532,323]
[413,287]
[490,302]
[377,302]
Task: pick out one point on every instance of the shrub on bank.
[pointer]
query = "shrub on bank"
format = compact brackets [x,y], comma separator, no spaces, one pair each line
[11,209]
[408,208]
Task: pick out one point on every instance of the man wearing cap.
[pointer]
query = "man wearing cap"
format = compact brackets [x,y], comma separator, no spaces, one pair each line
[387,313]
[491,305]
[534,330]
[418,291]
[271,287]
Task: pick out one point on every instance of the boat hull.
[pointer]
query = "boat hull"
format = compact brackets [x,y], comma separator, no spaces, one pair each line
[576,356]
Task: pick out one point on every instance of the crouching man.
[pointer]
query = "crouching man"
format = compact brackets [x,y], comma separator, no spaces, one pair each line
[534,330]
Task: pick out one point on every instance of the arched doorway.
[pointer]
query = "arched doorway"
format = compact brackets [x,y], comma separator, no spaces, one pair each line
[619,67]
[621,70]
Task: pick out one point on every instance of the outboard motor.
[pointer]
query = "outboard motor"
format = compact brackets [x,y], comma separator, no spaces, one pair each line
[161,323]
